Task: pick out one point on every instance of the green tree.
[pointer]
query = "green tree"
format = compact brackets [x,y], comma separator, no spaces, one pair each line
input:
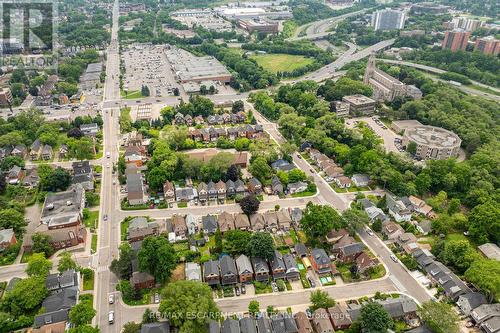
[484,221]
[374,318]
[235,241]
[92,199]
[377,225]
[122,267]
[66,262]
[131,327]
[485,274]
[149,317]
[84,329]
[181,299]
[11,218]
[318,220]
[38,265]
[439,317]
[41,244]
[26,296]
[260,169]
[218,241]
[253,307]
[355,219]
[459,254]
[321,299]
[296,175]
[249,204]
[157,257]
[412,148]
[82,313]
[261,245]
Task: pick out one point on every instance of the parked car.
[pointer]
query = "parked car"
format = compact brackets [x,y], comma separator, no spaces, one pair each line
[237,291]
[393,257]
[157,298]
[243,289]
[274,286]
[111,298]
[369,231]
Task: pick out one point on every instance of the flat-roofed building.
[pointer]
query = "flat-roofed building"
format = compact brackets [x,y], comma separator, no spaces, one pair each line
[456,40]
[432,142]
[488,45]
[259,25]
[360,105]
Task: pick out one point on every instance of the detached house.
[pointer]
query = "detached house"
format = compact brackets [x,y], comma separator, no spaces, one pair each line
[397,209]
[271,220]
[255,186]
[226,222]
[202,192]
[230,188]
[392,230]
[169,192]
[365,262]
[211,274]
[212,191]
[276,186]
[241,222]
[209,223]
[35,150]
[257,221]
[321,262]
[15,175]
[292,271]
[179,226]
[284,219]
[278,268]
[220,187]
[7,239]
[260,269]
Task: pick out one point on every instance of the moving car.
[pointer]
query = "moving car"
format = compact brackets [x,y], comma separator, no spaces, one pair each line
[369,231]
[393,257]
[111,298]
[111,317]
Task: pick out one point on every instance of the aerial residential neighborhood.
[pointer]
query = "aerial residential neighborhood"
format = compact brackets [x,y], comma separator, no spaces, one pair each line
[292,166]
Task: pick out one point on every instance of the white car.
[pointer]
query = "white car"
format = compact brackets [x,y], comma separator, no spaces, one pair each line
[157,298]
[393,257]
[111,298]
[111,317]
[369,232]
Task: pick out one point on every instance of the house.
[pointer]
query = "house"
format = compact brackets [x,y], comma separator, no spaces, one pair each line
[169,192]
[15,175]
[305,146]
[202,192]
[425,227]
[254,186]
[89,129]
[276,185]
[31,180]
[470,301]
[185,194]
[142,280]
[342,242]
[292,271]
[303,323]
[213,326]
[179,119]
[220,187]
[284,219]
[490,251]
[260,269]
[191,224]
[135,190]
[421,207]
[245,270]
[257,221]
[211,274]
[198,120]
[321,322]
[47,152]
[212,191]
[487,317]
[230,326]
[179,226]
[397,209]
[277,264]
[296,215]
[335,235]
[83,174]
[321,262]
[19,151]
[134,155]
[297,187]
[300,250]
[209,223]
[339,316]
[7,239]
[159,327]
[230,188]
[247,325]
[343,182]
[365,262]
[226,222]
[241,222]
[63,150]
[140,228]
[192,271]
[264,324]
[240,187]
[282,165]
[35,149]
[271,219]
[283,323]
[392,230]
[375,213]
[360,179]
[228,272]
[188,119]
[349,252]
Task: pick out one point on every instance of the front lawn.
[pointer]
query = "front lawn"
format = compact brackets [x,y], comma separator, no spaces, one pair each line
[182,205]
[88,280]
[135,94]
[93,245]
[281,62]
[91,219]
[376,272]
[262,287]
[303,194]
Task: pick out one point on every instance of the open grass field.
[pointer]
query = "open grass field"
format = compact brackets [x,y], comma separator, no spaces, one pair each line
[281,62]
[131,94]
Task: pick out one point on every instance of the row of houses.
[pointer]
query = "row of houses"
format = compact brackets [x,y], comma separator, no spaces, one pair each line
[180,227]
[218,119]
[335,173]
[38,150]
[471,303]
[211,134]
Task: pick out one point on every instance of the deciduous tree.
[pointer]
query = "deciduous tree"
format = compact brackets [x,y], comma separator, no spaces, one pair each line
[249,204]
[439,317]
[321,299]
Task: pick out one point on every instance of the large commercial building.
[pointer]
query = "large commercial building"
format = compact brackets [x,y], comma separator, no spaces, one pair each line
[261,26]
[360,105]
[456,40]
[432,143]
[488,45]
[385,87]
[189,68]
[240,13]
[388,19]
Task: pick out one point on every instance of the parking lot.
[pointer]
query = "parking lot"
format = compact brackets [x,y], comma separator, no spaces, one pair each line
[147,65]
[390,138]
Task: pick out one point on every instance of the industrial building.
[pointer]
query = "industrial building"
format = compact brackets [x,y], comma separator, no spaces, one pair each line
[259,25]
[432,142]
[240,13]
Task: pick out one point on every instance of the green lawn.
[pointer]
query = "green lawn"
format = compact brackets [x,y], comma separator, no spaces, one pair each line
[262,287]
[303,194]
[88,284]
[92,220]
[182,205]
[131,94]
[93,245]
[281,62]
